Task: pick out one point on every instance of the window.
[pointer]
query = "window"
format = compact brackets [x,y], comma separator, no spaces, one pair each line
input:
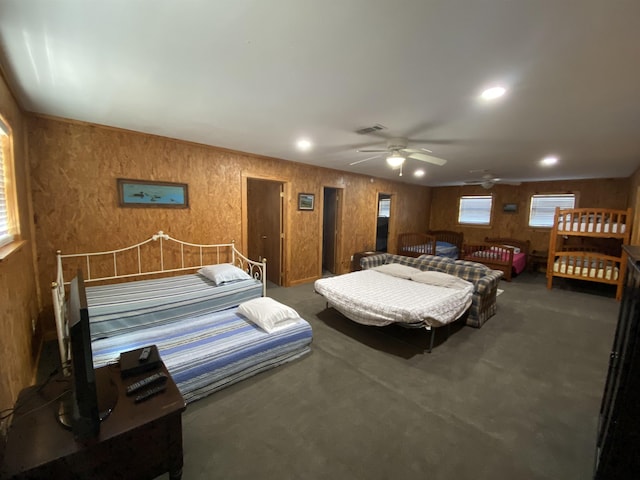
[384,207]
[543,208]
[475,210]
[7,218]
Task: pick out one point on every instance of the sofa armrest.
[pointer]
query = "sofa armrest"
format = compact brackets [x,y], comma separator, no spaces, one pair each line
[489,281]
[373,261]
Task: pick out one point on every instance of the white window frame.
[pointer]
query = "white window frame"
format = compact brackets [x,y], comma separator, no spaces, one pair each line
[8,204]
[482,203]
[542,207]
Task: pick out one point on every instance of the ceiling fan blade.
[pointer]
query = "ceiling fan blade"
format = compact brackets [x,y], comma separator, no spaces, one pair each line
[434,141]
[364,160]
[372,150]
[473,182]
[510,183]
[423,157]
[415,150]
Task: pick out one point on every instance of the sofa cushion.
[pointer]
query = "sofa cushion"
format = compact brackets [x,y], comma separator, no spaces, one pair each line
[434,262]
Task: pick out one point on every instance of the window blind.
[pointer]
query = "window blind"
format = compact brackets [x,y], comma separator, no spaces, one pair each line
[543,208]
[384,207]
[475,210]
[5,233]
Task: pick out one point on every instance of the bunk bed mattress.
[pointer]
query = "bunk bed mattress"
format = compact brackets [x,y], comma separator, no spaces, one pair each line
[595,269]
[590,227]
[208,352]
[374,298]
[119,308]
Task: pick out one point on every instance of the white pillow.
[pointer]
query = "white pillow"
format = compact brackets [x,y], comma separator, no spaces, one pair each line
[441,279]
[266,313]
[397,270]
[515,249]
[224,273]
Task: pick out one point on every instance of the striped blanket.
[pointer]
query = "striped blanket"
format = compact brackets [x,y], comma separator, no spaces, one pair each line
[211,351]
[120,308]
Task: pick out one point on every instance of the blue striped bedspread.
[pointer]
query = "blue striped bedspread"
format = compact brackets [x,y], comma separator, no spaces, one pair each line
[443,249]
[211,351]
[446,249]
[120,308]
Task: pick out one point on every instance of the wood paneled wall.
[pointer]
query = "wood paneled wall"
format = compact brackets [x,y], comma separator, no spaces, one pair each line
[75,166]
[18,293]
[605,193]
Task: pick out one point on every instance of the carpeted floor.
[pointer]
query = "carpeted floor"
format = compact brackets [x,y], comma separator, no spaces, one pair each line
[517,399]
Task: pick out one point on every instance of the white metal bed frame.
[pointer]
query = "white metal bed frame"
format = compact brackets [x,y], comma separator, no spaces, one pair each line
[257,270]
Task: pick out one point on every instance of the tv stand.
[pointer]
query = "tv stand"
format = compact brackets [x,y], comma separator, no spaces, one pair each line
[137,440]
[107,392]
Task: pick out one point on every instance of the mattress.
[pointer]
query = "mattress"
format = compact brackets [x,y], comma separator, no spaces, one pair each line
[211,351]
[374,298]
[594,269]
[446,249]
[591,227]
[124,307]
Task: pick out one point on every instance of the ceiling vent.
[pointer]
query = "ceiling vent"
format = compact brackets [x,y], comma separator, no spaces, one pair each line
[376,128]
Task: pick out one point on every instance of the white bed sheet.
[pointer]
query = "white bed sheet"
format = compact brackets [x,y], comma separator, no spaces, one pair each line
[373,298]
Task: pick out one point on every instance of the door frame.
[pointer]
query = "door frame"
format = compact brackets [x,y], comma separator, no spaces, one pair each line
[339,221]
[392,235]
[284,253]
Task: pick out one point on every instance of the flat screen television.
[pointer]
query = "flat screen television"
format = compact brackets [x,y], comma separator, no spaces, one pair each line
[91,399]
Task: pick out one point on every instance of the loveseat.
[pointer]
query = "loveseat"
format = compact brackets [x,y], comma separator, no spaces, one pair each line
[484,279]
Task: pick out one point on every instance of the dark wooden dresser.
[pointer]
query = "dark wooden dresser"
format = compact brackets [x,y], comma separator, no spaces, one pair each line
[618,440]
[137,440]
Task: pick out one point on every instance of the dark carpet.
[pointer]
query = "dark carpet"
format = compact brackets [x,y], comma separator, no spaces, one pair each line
[516,399]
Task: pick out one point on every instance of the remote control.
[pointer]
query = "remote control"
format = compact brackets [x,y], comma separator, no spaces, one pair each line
[144,356]
[150,393]
[147,382]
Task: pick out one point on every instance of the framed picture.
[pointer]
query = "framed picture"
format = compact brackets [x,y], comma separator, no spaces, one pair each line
[510,207]
[305,201]
[150,194]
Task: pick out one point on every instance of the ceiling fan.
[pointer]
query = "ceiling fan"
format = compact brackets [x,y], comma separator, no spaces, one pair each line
[488,180]
[397,152]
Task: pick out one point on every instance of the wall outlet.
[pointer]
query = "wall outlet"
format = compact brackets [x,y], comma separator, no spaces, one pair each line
[352,258]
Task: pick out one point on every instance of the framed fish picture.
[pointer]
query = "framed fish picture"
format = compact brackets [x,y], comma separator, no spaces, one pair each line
[152,194]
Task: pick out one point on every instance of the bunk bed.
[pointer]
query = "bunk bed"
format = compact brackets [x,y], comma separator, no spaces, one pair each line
[191,301]
[586,244]
[443,243]
[509,255]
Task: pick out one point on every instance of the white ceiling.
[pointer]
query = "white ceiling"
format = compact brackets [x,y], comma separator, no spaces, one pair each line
[255,76]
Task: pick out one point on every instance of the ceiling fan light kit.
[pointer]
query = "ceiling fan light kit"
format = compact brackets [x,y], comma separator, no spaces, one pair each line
[395,160]
[397,153]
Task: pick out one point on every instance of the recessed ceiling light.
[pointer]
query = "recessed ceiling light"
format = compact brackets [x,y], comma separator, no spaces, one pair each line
[549,160]
[303,144]
[418,173]
[493,93]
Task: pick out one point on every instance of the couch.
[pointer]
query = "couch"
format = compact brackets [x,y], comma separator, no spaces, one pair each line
[484,279]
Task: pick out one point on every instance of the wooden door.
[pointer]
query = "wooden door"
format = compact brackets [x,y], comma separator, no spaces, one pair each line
[264,224]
